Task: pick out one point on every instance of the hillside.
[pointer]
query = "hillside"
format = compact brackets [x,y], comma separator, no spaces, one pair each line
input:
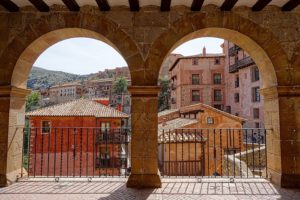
[43,78]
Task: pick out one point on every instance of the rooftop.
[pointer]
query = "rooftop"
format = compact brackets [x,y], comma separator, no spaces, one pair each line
[66,85]
[79,107]
[208,55]
[200,106]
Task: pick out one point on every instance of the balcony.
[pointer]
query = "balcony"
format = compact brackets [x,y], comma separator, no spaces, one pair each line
[233,50]
[240,64]
[173,86]
[224,165]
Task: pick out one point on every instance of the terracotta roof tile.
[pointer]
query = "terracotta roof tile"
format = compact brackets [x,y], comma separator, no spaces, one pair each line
[79,107]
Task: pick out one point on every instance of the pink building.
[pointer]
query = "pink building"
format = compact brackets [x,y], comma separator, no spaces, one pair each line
[198,79]
[242,86]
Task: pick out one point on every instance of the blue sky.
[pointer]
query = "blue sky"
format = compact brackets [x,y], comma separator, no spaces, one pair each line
[85,55]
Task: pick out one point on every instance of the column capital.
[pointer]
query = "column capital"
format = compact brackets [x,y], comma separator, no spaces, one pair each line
[12,91]
[144,91]
[281,91]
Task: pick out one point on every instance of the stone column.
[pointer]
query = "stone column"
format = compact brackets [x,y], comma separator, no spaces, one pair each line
[282,116]
[144,120]
[12,120]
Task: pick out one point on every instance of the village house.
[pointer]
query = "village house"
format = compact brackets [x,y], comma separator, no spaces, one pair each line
[194,139]
[60,134]
[242,86]
[198,79]
[65,92]
[231,84]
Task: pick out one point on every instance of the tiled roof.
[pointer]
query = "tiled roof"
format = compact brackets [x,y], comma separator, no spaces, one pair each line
[211,55]
[168,128]
[66,84]
[79,107]
[205,106]
[167,112]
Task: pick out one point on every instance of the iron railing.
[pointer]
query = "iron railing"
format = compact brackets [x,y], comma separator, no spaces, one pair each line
[245,62]
[237,153]
[75,152]
[233,50]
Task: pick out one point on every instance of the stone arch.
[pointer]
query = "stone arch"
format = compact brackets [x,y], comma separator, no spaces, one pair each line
[22,52]
[260,43]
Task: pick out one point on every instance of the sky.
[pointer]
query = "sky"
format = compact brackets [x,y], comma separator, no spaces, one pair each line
[85,55]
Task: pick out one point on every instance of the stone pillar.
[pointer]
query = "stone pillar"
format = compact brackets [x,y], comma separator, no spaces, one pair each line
[282,116]
[12,120]
[144,120]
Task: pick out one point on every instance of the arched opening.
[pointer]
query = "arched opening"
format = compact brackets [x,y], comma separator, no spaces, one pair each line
[207,134]
[90,141]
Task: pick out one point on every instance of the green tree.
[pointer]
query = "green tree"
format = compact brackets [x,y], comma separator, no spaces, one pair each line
[32,101]
[164,95]
[120,85]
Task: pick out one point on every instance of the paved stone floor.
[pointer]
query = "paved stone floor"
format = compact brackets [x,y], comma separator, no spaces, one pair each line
[171,189]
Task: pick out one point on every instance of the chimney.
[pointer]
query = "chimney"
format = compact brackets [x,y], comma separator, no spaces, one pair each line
[204,51]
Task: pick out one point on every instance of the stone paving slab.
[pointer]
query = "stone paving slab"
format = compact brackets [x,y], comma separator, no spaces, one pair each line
[183,189]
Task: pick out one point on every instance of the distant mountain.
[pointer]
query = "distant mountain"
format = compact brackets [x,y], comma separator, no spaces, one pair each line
[43,78]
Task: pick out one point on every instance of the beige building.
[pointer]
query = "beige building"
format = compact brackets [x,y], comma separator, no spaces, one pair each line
[198,79]
[65,92]
[186,150]
[242,86]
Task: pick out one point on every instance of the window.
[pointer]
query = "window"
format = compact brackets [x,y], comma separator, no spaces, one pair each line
[195,95]
[217,79]
[218,106]
[255,74]
[236,97]
[210,120]
[217,95]
[237,82]
[195,79]
[195,61]
[103,161]
[46,127]
[256,113]
[217,61]
[256,124]
[173,100]
[228,109]
[255,94]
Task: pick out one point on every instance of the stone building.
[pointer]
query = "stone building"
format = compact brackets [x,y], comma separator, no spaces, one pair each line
[242,86]
[114,73]
[98,88]
[77,137]
[144,33]
[198,78]
[65,92]
[183,154]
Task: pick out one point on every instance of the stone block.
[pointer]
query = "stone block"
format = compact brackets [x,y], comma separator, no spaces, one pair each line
[144,181]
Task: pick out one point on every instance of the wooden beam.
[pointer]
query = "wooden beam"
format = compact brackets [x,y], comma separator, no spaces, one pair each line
[290,5]
[196,5]
[228,5]
[103,5]
[134,5]
[9,5]
[72,5]
[40,5]
[165,5]
[260,4]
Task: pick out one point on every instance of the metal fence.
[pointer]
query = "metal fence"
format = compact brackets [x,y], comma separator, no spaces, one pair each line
[238,153]
[94,152]
[75,152]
